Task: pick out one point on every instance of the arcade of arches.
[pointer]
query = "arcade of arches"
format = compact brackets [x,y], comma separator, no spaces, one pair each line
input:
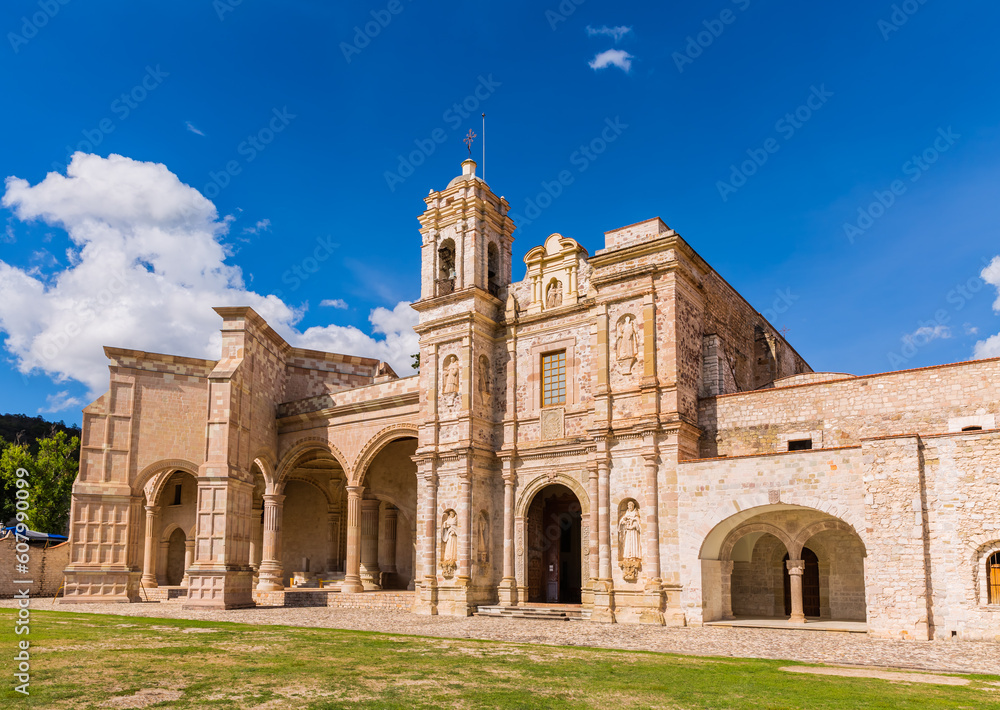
[316,526]
[784,562]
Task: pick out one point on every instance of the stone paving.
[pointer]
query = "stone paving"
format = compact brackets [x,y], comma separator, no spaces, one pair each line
[807,646]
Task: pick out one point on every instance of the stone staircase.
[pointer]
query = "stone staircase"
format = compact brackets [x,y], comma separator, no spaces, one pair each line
[550,612]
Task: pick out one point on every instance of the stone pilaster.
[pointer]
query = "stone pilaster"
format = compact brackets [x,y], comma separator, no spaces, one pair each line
[652,612]
[604,595]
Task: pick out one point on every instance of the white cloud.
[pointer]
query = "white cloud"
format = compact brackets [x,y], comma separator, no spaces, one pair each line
[987,348]
[263,225]
[59,402]
[146,266]
[928,333]
[991,346]
[615,32]
[333,303]
[190,126]
[612,57]
[399,343]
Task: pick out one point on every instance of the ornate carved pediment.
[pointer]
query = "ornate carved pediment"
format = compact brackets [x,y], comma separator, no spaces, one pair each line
[553,270]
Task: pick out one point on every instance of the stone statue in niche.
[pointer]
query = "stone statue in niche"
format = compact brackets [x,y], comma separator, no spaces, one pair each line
[450,376]
[627,344]
[483,540]
[485,383]
[553,294]
[449,536]
[630,542]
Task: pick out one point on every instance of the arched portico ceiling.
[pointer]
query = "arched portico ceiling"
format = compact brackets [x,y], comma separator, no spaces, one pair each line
[724,537]
[376,444]
[151,479]
[311,453]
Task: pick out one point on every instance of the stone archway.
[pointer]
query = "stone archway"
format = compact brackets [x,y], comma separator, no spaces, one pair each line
[783,561]
[553,546]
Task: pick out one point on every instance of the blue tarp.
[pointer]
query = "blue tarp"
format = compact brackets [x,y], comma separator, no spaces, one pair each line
[35,536]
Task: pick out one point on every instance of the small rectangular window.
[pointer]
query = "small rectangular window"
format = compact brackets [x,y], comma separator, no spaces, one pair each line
[800,445]
[177,494]
[554,378]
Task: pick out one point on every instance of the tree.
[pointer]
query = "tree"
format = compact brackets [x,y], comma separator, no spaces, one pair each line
[51,473]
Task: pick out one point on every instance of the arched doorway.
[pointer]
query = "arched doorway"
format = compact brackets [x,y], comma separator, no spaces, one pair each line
[554,549]
[175,557]
[810,584]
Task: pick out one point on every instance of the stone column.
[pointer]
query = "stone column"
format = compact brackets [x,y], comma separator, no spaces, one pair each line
[413,561]
[270,572]
[352,569]
[653,603]
[652,520]
[604,604]
[795,571]
[604,520]
[149,557]
[188,561]
[333,536]
[595,526]
[508,585]
[465,532]
[371,575]
[390,521]
[427,525]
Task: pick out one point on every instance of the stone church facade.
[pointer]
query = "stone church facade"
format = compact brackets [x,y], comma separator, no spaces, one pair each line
[621,431]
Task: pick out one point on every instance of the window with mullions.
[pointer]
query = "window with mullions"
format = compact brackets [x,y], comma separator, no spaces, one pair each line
[554,378]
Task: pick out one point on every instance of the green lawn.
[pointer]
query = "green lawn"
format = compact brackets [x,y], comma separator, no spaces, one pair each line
[84,660]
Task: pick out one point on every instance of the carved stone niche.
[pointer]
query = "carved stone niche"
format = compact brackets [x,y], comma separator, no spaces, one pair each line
[553,269]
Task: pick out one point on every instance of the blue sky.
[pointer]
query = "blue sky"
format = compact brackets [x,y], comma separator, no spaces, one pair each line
[295,124]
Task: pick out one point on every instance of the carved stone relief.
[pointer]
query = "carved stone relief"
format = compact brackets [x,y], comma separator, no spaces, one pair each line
[552,423]
[626,344]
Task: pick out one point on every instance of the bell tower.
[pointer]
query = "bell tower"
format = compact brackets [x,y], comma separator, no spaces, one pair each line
[465,276]
[467,238]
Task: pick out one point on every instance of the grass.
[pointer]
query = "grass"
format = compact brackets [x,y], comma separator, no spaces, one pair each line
[95,661]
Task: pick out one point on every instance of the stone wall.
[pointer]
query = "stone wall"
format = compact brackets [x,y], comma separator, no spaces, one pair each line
[929,401]
[45,568]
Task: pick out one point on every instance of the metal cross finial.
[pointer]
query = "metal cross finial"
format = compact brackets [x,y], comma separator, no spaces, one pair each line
[468,140]
[784,332]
